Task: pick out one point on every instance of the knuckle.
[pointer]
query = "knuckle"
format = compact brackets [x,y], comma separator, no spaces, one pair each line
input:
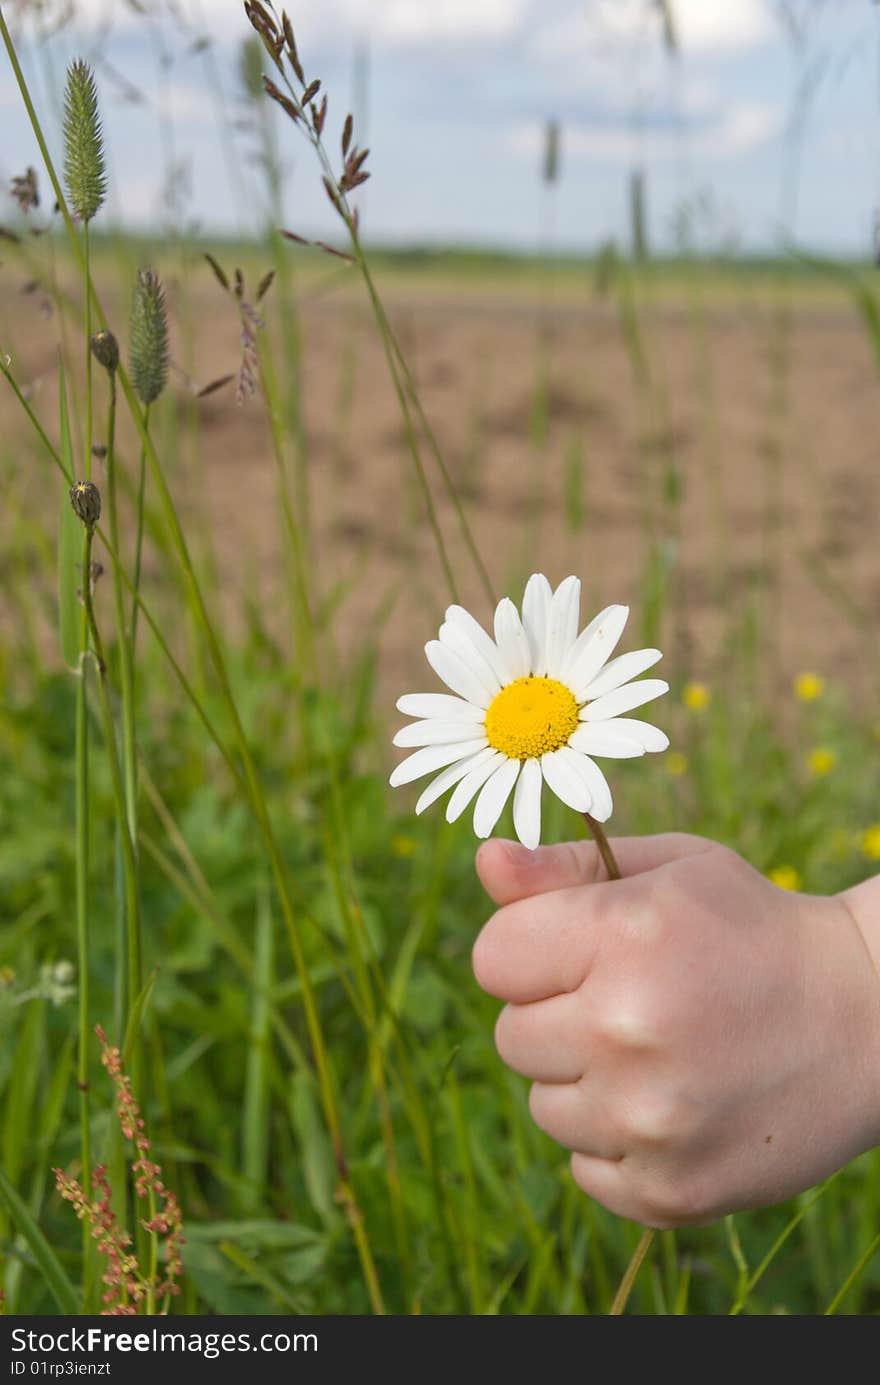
[630,1020]
[644,917]
[653,1119]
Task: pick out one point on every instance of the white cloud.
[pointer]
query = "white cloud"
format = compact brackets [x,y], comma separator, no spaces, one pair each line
[139,199]
[223,17]
[426,21]
[401,22]
[738,130]
[703,26]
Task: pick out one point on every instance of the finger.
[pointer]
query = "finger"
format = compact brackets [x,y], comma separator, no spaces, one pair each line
[606,1181]
[537,948]
[510,871]
[618,1187]
[570,1114]
[540,1041]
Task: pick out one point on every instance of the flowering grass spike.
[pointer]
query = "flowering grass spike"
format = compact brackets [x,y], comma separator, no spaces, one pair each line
[531,706]
[84,169]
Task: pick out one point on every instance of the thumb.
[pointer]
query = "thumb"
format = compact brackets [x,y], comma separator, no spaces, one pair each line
[509,871]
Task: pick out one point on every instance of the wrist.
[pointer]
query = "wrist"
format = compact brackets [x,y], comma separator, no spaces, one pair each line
[863,904]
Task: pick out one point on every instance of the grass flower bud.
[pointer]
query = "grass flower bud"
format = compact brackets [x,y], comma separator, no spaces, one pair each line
[86,501]
[105,350]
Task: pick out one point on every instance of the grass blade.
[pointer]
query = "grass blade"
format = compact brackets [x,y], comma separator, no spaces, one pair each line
[57,1282]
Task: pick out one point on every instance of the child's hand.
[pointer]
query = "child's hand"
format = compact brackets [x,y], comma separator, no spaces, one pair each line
[701,1039]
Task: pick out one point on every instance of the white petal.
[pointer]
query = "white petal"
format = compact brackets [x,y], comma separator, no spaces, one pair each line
[562,624]
[464,621]
[512,640]
[432,757]
[472,781]
[527,804]
[434,732]
[438,705]
[592,777]
[624,699]
[493,796]
[450,776]
[594,648]
[565,782]
[461,644]
[583,639]
[603,738]
[651,737]
[456,674]
[621,670]
[640,733]
[598,787]
[535,610]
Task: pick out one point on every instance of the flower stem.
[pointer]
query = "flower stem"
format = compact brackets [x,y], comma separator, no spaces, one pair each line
[82,795]
[604,846]
[624,1289]
[126,654]
[132,903]
[81,754]
[127,823]
[139,538]
[87,455]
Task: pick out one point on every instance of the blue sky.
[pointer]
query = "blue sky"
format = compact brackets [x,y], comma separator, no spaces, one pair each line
[458,94]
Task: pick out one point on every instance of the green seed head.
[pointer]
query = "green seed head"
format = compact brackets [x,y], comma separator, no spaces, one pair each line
[84,170]
[252,55]
[149,337]
[105,350]
[86,501]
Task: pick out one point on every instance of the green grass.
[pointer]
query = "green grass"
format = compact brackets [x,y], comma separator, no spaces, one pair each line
[488,1215]
[313,1057]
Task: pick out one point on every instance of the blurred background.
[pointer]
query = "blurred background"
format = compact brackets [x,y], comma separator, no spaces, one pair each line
[756,116]
[714,396]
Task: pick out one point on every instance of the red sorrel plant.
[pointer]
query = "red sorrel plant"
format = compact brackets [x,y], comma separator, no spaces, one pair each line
[130,1288]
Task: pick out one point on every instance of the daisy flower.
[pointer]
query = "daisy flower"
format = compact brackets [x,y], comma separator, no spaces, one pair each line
[532,706]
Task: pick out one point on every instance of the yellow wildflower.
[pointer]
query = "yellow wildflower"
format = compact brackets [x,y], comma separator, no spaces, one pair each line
[821,761]
[403,846]
[808,686]
[676,764]
[696,697]
[871,842]
[786,877]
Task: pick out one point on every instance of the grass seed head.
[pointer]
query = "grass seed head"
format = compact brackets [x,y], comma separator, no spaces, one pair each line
[149,337]
[251,67]
[551,152]
[84,169]
[23,189]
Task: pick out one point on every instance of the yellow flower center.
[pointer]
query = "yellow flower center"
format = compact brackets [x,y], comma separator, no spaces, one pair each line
[530,717]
